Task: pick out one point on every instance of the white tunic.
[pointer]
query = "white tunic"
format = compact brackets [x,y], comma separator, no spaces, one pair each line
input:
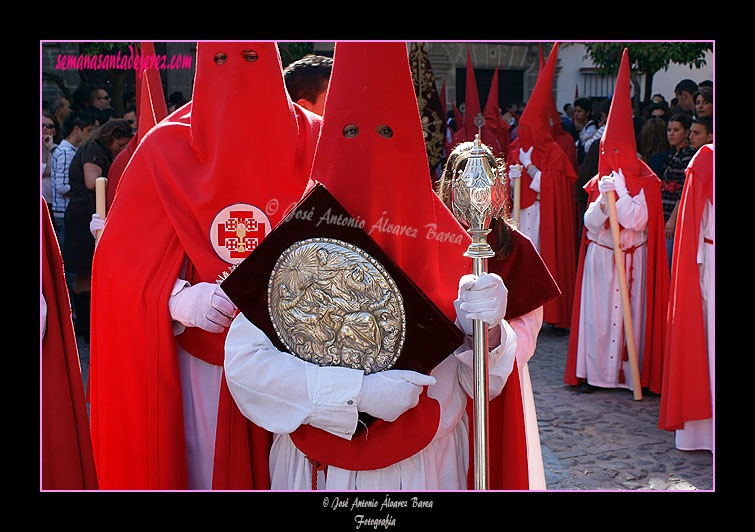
[279,392]
[529,218]
[698,434]
[601,325]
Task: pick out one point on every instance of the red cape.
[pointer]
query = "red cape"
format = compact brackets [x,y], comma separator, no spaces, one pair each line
[686,378]
[186,178]
[67,460]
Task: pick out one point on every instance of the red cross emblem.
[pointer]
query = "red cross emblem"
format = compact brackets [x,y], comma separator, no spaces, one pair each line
[237,230]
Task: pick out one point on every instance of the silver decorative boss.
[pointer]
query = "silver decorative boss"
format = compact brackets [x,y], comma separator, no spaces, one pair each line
[333,304]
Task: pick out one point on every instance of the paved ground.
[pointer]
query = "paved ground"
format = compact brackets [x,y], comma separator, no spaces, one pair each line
[600,441]
[605,440]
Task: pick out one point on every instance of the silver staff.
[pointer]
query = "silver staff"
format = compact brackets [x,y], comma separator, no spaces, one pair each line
[477,198]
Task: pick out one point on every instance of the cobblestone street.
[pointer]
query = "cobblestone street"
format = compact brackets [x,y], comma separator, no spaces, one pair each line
[605,440]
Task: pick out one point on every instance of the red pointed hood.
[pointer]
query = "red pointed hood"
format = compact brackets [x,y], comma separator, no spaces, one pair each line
[492,110]
[385,179]
[150,99]
[471,100]
[229,94]
[618,148]
[535,122]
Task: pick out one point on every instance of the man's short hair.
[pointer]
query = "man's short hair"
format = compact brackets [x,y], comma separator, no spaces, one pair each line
[707,123]
[308,77]
[686,85]
[82,120]
[584,103]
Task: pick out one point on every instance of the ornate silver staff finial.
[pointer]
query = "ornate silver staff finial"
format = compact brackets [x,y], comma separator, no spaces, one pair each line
[478,197]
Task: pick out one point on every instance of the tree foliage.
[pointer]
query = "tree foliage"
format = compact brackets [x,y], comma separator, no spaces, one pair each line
[647,58]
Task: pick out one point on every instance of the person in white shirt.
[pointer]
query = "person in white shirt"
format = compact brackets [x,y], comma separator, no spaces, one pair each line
[77,127]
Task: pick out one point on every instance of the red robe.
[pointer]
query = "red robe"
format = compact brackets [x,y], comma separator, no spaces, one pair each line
[557,204]
[67,461]
[686,379]
[239,144]
[370,92]
[557,221]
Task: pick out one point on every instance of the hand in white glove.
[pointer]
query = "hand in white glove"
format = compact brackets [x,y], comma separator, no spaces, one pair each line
[388,394]
[606,183]
[515,171]
[96,224]
[620,183]
[525,157]
[484,298]
[203,305]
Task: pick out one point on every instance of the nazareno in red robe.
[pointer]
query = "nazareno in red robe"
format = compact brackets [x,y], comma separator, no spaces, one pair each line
[557,205]
[67,461]
[618,151]
[686,378]
[371,86]
[239,145]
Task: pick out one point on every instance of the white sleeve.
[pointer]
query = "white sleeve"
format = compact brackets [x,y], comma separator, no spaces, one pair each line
[526,328]
[500,363]
[632,211]
[596,215]
[535,183]
[279,392]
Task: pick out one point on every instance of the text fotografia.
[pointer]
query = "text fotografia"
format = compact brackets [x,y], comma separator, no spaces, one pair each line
[358,505]
[122,61]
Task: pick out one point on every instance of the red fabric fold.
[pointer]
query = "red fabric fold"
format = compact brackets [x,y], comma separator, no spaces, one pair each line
[686,378]
[67,460]
[239,141]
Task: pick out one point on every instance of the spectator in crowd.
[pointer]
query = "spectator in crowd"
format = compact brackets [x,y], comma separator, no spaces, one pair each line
[175,100]
[684,93]
[584,125]
[700,132]
[49,132]
[672,164]
[77,127]
[60,108]
[92,160]
[130,116]
[653,140]
[307,81]
[704,102]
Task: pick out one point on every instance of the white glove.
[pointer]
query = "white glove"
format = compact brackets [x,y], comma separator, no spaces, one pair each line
[388,394]
[620,183]
[525,157]
[484,298]
[515,171]
[203,305]
[606,183]
[96,224]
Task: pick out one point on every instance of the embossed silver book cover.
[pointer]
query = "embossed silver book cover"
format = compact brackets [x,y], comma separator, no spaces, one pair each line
[331,303]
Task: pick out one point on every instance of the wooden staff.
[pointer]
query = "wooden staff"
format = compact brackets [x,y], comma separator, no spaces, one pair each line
[517,197]
[626,309]
[99,190]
